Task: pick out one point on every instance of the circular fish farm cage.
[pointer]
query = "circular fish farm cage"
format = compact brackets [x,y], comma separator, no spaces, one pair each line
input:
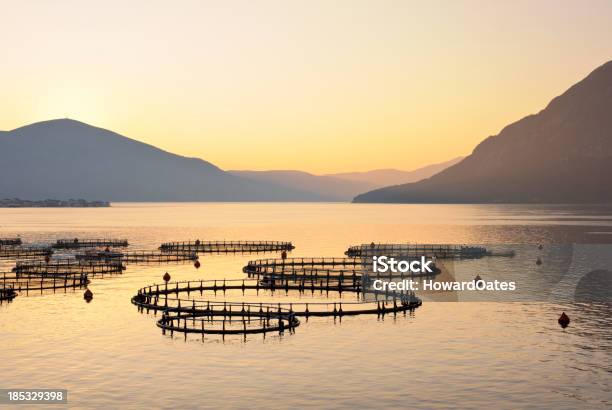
[10,241]
[418,250]
[295,265]
[142,257]
[7,293]
[176,298]
[28,283]
[322,268]
[220,319]
[77,243]
[227,246]
[18,252]
[69,267]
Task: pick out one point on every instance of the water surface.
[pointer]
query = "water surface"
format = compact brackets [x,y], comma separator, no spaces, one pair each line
[470,354]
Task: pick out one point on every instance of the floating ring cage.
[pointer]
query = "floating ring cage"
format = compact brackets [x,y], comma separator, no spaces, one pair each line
[28,283]
[77,243]
[7,293]
[17,252]
[10,241]
[227,246]
[220,319]
[143,257]
[323,268]
[168,298]
[69,266]
[269,266]
[418,250]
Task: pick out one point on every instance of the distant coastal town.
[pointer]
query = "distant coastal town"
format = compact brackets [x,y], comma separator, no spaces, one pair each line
[52,203]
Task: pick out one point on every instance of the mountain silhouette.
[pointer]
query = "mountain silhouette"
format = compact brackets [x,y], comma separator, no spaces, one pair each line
[343,186]
[323,188]
[385,177]
[70,159]
[563,154]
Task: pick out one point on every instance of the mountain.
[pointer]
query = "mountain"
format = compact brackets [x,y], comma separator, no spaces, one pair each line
[385,177]
[563,154]
[69,159]
[323,188]
[344,186]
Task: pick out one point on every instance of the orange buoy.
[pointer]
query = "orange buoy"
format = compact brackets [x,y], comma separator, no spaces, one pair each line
[197,264]
[166,277]
[564,320]
[538,261]
[88,295]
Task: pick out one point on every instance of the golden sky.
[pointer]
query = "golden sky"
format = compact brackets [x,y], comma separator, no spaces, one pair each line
[321,86]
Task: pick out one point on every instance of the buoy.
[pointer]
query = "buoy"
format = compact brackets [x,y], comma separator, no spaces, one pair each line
[372,245]
[88,295]
[107,249]
[284,255]
[76,240]
[538,261]
[564,320]
[540,247]
[166,277]
[47,259]
[197,242]
[197,264]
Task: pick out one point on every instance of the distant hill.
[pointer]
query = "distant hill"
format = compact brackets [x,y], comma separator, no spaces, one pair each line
[69,159]
[385,177]
[325,188]
[563,154]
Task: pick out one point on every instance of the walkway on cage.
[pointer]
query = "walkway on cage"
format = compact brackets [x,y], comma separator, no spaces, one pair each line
[418,250]
[28,283]
[227,246]
[10,241]
[69,267]
[139,257]
[220,319]
[77,243]
[324,268]
[169,298]
[268,266]
[18,252]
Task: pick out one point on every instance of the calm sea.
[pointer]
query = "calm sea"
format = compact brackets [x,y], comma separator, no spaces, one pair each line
[445,354]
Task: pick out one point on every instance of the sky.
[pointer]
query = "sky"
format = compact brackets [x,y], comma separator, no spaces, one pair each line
[320,86]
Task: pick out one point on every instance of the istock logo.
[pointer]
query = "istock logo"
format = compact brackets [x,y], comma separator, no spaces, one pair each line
[383,264]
